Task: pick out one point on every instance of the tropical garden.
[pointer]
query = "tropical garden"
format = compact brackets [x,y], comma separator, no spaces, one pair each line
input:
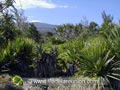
[94,50]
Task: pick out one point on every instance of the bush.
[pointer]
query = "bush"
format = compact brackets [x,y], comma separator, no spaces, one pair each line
[57,40]
[18,56]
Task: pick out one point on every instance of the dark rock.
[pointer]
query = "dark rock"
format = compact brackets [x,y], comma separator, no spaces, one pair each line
[12,87]
[71,69]
[45,67]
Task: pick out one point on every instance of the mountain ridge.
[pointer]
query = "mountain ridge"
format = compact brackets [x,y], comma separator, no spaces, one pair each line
[44,27]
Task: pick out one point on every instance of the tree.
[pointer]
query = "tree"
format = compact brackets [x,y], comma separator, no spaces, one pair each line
[33,33]
[106,18]
[6,4]
[107,25]
[93,27]
[7,25]
[78,29]
[66,31]
[49,34]
[21,20]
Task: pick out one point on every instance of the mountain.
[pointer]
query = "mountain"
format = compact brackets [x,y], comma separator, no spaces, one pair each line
[43,27]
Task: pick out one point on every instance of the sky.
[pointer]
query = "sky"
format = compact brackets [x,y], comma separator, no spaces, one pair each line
[68,11]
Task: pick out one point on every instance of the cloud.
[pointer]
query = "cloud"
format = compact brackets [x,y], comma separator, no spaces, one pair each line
[35,21]
[26,4]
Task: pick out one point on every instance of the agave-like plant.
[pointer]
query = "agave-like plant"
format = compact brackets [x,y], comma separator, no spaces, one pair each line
[96,60]
[114,41]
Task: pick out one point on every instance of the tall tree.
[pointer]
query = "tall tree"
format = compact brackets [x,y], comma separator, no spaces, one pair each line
[93,27]
[33,33]
[7,25]
[107,24]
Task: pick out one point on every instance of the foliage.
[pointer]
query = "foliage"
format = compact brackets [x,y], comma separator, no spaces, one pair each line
[57,40]
[94,28]
[47,47]
[19,48]
[8,29]
[107,24]
[2,41]
[92,55]
[96,60]
[73,49]
[68,53]
[71,32]
[18,52]
[114,41]
[92,49]
[33,33]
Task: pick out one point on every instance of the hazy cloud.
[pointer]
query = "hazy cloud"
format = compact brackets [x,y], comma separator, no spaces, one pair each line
[35,21]
[25,4]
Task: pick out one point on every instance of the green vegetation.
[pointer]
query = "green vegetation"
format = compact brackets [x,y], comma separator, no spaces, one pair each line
[93,49]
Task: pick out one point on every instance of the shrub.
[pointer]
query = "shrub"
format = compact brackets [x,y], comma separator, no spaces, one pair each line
[18,56]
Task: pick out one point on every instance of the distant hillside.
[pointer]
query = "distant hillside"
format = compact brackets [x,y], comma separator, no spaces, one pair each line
[43,27]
